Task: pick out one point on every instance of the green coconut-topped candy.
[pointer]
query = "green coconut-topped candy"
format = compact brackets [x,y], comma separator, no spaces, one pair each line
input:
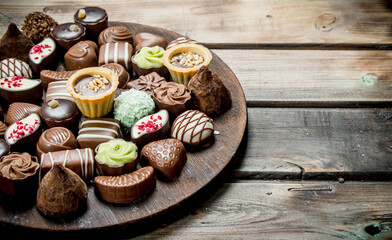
[116,152]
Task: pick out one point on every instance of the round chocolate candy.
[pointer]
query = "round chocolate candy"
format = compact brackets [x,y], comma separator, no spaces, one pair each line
[81,55]
[60,113]
[68,34]
[174,97]
[115,34]
[94,19]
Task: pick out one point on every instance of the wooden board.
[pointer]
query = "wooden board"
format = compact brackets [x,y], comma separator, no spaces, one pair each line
[312,77]
[318,143]
[239,24]
[289,210]
[201,168]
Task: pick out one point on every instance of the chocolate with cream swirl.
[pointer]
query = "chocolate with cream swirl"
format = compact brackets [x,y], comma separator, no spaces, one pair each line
[18,166]
[173,97]
[115,34]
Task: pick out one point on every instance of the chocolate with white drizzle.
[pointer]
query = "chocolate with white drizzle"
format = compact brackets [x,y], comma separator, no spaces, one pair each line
[193,128]
[12,67]
[80,161]
[58,90]
[94,131]
[117,52]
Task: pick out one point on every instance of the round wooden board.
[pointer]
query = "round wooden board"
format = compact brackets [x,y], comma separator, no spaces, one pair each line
[201,168]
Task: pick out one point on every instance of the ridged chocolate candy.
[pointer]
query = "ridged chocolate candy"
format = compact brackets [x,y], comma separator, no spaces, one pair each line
[19,110]
[115,34]
[123,75]
[147,83]
[48,76]
[117,52]
[55,139]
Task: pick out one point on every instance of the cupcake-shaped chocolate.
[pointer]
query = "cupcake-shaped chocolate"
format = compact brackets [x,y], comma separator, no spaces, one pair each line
[60,113]
[184,60]
[18,174]
[145,39]
[94,19]
[81,55]
[115,34]
[147,83]
[43,56]
[20,110]
[93,90]
[68,34]
[174,97]
[123,75]
[116,157]
[116,52]
[149,59]
[4,148]
[55,139]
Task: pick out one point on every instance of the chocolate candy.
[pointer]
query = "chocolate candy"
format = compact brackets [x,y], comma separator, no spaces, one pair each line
[174,97]
[55,139]
[166,156]
[94,131]
[20,110]
[115,34]
[1,114]
[80,161]
[11,38]
[147,83]
[20,89]
[43,56]
[3,127]
[94,19]
[68,34]
[48,76]
[118,52]
[57,90]
[150,128]
[12,67]
[60,113]
[81,55]
[193,128]
[22,134]
[210,94]
[180,40]
[4,148]
[125,188]
[145,39]
[38,25]
[123,75]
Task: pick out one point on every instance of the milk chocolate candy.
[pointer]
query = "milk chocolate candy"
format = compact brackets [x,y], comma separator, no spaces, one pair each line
[166,156]
[174,97]
[115,34]
[20,110]
[150,128]
[43,56]
[94,131]
[68,34]
[20,89]
[12,67]
[125,188]
[145,39]
[118,52]
[81,55]
[1,114]
[60,113]
[48,76]
[3,127]
[55,139]
[80,161]
[123,75]
[94,19]
[14,37]
[4,148]
[57,90]
[180,40]
[147,83]
[193,128]
[23,134]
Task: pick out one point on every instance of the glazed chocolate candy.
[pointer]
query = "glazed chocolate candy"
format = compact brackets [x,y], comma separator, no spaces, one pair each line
[145,39]
[118,52]
[20,110]
[55,139]
[94,19]
[43,56]
[166,156]
[12,67]
[57,90]
[4,148]
[81,55]
[115,34]
[60,113]
[3,127]
[123,75]
[20,89]
[48,76]
[125,188]
[147,83]
[68,34]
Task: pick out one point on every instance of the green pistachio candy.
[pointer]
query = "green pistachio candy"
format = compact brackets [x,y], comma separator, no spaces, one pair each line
[150,57]
[116,152]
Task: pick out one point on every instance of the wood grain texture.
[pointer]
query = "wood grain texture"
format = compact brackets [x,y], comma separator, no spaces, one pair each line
[289,210]
[200,169]
[312,77]
[260,23]
[318,144]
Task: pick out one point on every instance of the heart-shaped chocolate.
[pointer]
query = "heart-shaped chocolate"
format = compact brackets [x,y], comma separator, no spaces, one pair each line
[166,156]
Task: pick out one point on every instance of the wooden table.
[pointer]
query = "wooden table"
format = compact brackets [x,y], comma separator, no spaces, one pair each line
[317,159]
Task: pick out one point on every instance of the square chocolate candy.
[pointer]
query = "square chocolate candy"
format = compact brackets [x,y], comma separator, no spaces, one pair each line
[117,52]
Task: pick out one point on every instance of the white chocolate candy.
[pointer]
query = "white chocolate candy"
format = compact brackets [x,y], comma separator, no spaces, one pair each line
[12,67]
[42,50]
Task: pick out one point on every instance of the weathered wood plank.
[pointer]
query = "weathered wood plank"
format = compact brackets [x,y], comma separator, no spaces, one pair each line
[312,77]
[318,144]
[360,23]
[289,210]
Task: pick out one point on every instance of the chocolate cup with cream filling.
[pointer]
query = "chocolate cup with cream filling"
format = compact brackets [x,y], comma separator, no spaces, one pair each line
[107,170]
[162,70]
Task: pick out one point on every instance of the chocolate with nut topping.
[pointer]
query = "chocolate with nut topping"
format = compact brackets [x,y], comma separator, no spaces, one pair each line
[187,60]
[88,85]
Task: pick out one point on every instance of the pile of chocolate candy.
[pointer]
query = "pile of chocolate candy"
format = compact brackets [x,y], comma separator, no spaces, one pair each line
[98,105]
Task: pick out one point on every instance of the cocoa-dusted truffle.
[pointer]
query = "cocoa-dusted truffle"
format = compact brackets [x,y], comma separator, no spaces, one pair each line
[209,93]
[61,193]
[14,37]
[38,25]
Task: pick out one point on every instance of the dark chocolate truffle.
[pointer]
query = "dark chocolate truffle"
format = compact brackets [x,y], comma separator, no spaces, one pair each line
[209,93]
[20,110]
[94,19]
[123,75]
[115,34]
[55,139]
[81,55]
[147,83]
[11,38]
[61,193]
[68,34]
[145,39]
[60,113]
[38,25]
